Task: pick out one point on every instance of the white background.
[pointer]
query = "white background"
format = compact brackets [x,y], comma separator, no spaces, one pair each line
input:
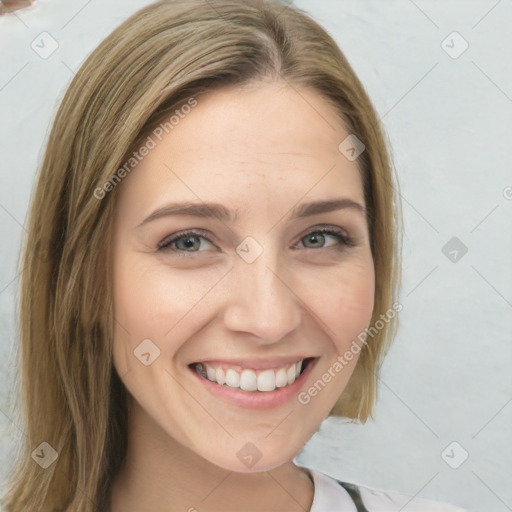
[449,122]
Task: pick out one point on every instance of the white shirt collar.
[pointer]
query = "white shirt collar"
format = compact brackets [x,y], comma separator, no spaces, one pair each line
[329,495]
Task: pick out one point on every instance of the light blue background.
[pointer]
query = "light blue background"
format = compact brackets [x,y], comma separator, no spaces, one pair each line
[449,122]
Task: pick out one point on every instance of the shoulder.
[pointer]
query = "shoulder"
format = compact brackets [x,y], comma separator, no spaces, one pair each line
[332,495]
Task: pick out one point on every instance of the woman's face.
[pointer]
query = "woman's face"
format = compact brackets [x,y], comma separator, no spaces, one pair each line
[255,289]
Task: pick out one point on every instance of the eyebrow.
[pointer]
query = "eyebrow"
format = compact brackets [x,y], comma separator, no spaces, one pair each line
[224,214]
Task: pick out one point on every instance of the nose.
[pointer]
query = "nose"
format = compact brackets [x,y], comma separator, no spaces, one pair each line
[262,300]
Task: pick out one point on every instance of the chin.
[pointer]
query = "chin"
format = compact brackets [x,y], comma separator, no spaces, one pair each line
[251,457]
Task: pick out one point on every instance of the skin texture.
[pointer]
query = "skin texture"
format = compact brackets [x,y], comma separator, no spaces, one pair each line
[263,150]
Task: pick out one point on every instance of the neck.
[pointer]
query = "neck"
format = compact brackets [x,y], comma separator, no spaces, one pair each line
[159,472]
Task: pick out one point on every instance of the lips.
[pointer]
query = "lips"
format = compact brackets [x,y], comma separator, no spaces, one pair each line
[244,376]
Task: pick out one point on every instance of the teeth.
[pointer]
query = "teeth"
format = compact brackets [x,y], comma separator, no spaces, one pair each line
[281,378]
[232,379]
[210,373]
[250,380]
[219,376]
[267,381]
[290,373]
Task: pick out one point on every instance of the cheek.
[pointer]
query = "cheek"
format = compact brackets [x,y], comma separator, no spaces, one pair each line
[350,304]
[151,302]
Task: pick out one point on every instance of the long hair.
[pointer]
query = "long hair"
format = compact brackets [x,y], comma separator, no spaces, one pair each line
[71,396]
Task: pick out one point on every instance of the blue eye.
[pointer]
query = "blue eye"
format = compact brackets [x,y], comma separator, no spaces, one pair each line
[342,239]
[190,241]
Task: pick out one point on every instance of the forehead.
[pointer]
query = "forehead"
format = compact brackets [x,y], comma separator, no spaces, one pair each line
[238,144]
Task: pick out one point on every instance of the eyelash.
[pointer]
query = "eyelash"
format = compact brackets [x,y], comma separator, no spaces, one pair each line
[165,245]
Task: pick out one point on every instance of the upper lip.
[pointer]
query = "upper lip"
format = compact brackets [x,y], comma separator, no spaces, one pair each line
[254,364]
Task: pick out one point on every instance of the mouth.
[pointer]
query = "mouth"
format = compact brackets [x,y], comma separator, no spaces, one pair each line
[250,380]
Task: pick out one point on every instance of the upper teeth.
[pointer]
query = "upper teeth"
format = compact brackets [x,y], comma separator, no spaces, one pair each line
[251,380]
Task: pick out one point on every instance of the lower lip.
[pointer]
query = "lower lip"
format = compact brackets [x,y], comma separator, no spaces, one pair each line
[257,399]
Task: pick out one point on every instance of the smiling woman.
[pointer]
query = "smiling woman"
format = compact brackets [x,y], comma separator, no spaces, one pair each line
[196,320]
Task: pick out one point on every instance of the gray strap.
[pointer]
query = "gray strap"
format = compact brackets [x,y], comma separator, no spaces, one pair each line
[354,493]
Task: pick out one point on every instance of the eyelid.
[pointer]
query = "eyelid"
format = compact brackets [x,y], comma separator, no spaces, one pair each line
[168,240]
[344,238]
[329,229]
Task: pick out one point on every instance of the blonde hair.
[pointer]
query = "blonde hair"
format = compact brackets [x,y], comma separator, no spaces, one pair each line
[170,51]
